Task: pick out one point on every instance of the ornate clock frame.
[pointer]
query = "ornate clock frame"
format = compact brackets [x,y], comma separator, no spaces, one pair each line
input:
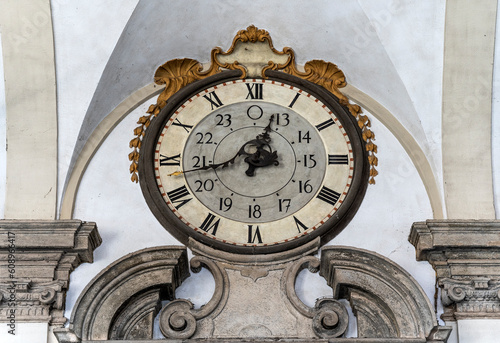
[254,298]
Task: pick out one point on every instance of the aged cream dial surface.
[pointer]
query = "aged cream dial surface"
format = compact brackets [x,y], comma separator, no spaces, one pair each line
[263,163]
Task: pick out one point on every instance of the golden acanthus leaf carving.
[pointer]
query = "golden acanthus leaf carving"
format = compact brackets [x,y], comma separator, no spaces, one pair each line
[330,77]
[252,34]
[176,74]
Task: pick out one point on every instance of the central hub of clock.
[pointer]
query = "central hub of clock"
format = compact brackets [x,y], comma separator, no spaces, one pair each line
[266,180]
[261,167]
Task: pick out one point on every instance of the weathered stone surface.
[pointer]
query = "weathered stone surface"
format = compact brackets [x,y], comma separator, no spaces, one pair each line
[473,236]
[122,301]
[251,299]
[36,259]
[68,339]
[254,300]
[466,257]
[389,304]
[387,301]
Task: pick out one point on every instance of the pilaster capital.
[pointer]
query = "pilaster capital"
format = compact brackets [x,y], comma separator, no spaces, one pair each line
[466,257]
[36,259]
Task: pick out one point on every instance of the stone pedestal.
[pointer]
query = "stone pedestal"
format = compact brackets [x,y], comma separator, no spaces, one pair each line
[254,299]
[36,259]
[466,257]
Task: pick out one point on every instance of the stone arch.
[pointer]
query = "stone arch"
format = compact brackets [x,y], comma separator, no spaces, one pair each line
[122,301]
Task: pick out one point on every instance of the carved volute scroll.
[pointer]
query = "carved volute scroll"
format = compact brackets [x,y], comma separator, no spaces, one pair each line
[178,318]
[254,301]
[329,317]
[252,52]
[466,257]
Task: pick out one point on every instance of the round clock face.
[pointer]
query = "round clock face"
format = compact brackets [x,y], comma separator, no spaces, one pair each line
[256,165]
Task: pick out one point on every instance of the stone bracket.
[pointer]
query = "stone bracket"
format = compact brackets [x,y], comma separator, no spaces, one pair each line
[36,259]
[386,300]
[466,257]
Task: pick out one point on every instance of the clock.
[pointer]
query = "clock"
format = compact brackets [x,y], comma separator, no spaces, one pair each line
[253,166]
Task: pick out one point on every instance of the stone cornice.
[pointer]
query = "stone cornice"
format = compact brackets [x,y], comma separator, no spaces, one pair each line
[466,257]
[439,235]
[36,259]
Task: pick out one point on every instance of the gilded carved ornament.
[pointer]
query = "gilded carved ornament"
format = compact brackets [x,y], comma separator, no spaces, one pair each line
[253,53]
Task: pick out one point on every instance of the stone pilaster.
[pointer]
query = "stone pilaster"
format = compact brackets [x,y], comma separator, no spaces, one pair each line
[466,257]
[36,259]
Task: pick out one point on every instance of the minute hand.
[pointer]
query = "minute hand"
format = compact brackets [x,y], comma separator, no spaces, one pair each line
[209,166]
[261,140]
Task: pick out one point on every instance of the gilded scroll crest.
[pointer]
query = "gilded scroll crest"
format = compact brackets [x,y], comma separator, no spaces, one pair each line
[253,53]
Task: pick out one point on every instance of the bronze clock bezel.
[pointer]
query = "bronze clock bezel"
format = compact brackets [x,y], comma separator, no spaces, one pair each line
[182,232]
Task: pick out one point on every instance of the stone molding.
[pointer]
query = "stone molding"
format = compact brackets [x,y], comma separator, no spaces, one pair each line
[466,257]
[36,259]
[122,301]
[386,300]
[253,301]
[70,338]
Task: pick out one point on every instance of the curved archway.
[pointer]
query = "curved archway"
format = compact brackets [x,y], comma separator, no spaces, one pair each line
[406,140]
[135,99]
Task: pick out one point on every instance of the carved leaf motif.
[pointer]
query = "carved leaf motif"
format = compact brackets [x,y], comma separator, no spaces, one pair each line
[368,134]
[175,74]
[373,160]
[135,143]
[178,73]
[134,155]
[252,34]
[133,167]
[325,72]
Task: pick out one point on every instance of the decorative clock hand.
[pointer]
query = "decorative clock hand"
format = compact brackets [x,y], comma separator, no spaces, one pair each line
[209,166]
[260,158]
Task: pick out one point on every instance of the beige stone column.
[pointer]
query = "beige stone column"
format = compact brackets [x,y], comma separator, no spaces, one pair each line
[30,95]
[466,132]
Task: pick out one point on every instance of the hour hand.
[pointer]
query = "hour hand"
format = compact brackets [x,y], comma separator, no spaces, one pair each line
[209,166]
[259,159]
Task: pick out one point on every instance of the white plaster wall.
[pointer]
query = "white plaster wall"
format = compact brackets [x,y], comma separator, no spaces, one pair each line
[495,144]
[3,134]
[25,333]
[85,34]
[478,330]
[414,43]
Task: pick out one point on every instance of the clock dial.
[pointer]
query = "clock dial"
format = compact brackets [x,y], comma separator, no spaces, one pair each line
[254,163]
[257,192]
